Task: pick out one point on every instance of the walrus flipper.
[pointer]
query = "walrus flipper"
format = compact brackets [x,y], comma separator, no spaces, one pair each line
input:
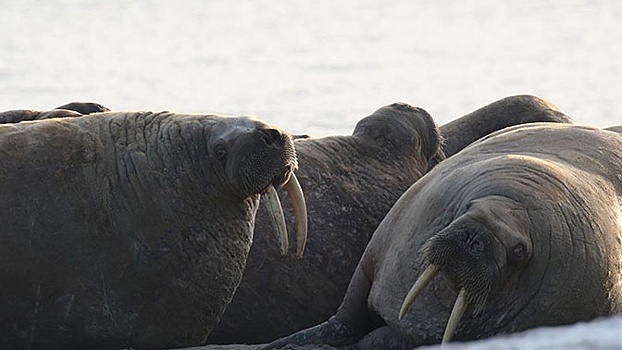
[84,107]
[346,327]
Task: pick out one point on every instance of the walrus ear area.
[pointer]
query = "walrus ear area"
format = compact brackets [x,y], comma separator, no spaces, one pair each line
[220,152]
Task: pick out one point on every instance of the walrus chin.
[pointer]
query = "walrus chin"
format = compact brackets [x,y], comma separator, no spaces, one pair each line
[466,273]
[457,312]
[275,212]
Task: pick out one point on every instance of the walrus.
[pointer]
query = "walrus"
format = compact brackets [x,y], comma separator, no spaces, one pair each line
[68,110]
[130,229]
[518,230]
[354,180]
[84,107]
[508,111]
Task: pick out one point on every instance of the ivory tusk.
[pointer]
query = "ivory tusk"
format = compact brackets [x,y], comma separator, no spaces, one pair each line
[456,314]
[417,288]
[275,213]
[297,199]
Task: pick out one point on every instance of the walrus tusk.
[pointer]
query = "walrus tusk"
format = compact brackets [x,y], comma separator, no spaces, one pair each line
[456,314]
[275,213]
[297,199]
[417,288]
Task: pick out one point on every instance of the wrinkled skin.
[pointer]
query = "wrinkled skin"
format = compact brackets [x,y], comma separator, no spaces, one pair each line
[128,230]
[526,221]
[72,109]
[351,183]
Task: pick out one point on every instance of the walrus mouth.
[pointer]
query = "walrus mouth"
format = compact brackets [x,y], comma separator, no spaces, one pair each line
[460,305]
[473,282]
[472,293]
[275,213]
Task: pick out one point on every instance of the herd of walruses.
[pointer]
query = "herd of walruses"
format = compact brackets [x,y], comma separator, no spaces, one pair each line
[162,230]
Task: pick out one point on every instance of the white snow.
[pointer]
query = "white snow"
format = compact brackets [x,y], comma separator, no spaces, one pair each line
[599,334]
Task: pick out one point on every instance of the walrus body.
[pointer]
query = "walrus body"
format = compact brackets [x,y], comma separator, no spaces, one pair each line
[355,181]
[506,112]
[127,229]
[69,110]
[523,226]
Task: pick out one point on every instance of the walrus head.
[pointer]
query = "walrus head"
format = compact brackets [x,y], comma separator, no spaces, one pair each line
[258,159]
[479,251]
[404,130]
[84,107]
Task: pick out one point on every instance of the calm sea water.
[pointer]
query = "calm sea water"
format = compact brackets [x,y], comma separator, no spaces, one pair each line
[312,66]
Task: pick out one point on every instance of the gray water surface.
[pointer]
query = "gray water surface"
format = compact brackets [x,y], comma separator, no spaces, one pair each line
[312,66]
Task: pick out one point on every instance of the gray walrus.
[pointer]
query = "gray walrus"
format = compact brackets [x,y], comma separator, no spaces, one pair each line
[129,229]
[84,107]
[519,230]
[355,181]
[508,111]
[71,109]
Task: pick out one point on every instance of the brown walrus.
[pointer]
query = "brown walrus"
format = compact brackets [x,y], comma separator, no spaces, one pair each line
[129,229]
[72,109]
[354,180]
[521,229]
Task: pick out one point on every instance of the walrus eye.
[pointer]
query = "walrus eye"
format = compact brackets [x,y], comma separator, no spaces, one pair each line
[518,253]
[220,152]
[476,246]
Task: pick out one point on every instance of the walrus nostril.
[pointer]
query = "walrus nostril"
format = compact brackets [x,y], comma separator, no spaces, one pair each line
[518,253]
[476,246]
[271,136]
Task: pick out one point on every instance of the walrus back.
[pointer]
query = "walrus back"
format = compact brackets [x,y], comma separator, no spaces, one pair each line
[92,236]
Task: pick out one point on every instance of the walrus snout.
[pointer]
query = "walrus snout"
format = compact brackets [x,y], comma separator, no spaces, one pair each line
[261,158]
[468,257]
[285,178]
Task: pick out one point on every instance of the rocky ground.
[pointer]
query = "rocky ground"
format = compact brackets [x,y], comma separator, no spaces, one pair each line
[600,334]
